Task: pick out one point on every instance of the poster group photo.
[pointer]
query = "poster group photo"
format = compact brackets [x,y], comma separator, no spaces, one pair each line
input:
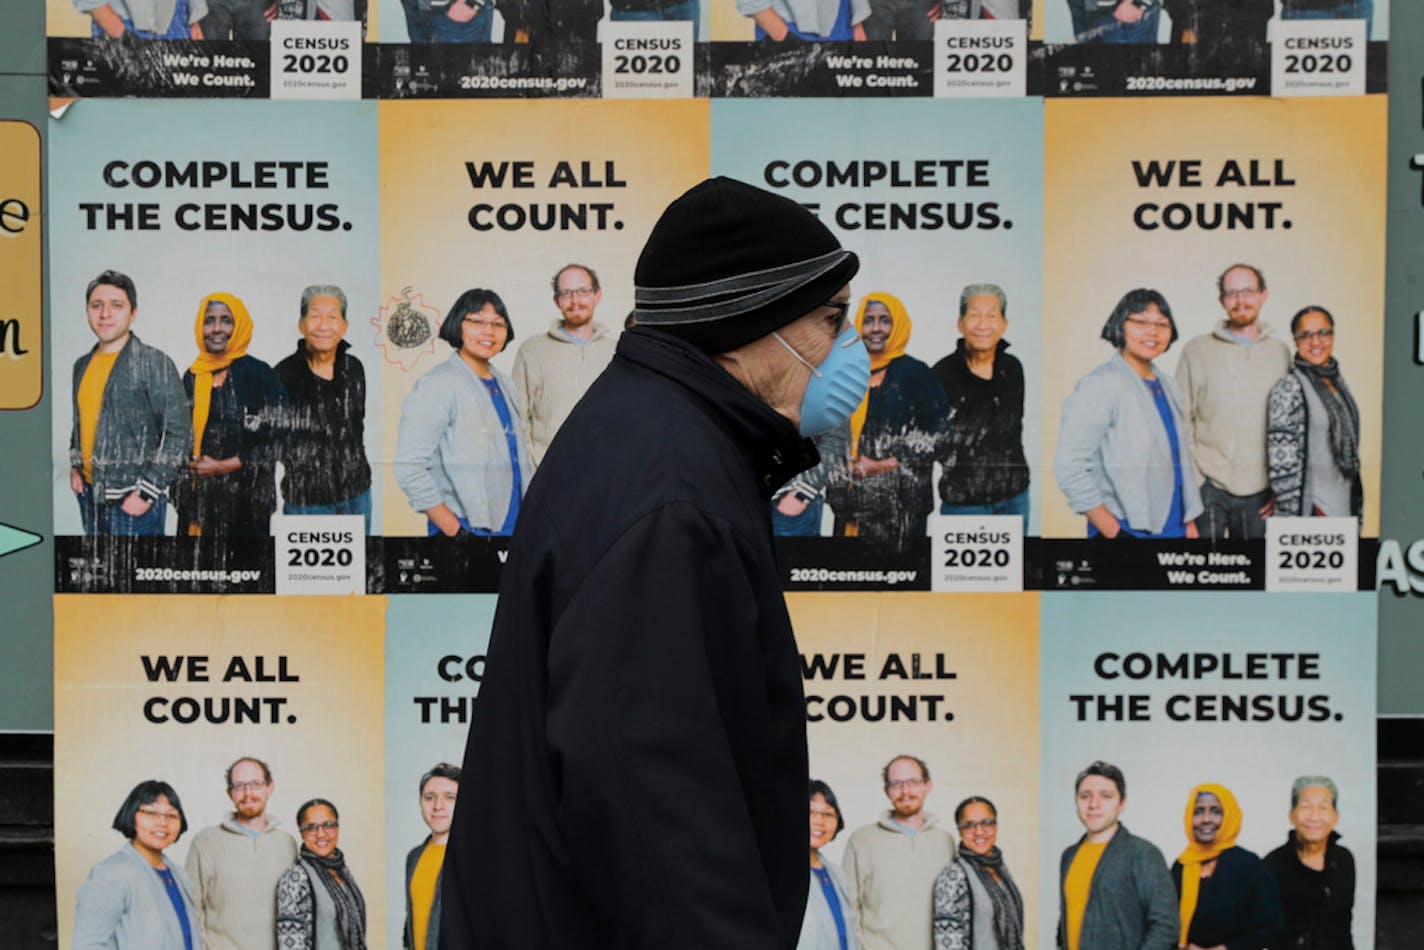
[195,401]
[1219,343]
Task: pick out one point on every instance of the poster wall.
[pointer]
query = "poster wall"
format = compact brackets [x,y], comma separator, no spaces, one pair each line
[179,689]
[473,216]
[949,680]
[240,206]
[1242,690]
[1168,196]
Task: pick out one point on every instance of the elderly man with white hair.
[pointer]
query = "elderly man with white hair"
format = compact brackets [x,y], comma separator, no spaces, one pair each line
[1315,875]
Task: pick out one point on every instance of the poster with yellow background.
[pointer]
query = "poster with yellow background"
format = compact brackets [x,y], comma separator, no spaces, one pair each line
[177,688]
[1166,194]
[501,195]
[949,679]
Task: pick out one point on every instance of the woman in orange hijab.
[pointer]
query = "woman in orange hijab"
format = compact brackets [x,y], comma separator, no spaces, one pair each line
[1227,897]
[238,408]
[895,435]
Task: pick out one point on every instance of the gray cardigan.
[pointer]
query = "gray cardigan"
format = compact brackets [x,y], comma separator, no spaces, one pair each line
[1113,450]
[123,905]
[145,427]
[818,928]
[1132,904]
[451,447]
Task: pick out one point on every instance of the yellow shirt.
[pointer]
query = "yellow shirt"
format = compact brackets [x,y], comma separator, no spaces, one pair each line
[91,402]
[422,890]
[1076,887]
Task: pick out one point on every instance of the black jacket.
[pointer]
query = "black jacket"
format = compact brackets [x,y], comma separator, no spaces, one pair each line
[1319,905]
[324,459]
[636,768]
[242,502]
[983,460]
[1237,906]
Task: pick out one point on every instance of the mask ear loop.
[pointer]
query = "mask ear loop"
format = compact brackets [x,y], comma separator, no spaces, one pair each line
[801,359]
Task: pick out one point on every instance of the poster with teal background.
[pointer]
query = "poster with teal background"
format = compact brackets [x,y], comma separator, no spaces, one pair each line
[1242,689]
[932,195]
[254,199]
[435,654]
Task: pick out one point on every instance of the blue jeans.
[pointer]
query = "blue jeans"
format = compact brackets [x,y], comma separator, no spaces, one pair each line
[431,530]
[1013,505]
[1344,10]
[805,525]
[109,517]
[177,29]
[417,21]
[445,30]
[841,30]
[359,505]
[1102,27]
[683,10]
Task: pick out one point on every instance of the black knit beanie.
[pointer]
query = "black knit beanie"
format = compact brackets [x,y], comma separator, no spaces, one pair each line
[729,262]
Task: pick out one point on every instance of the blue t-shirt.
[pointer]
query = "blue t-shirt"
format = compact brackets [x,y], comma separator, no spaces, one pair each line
[176,896]
[828,888]
[511,439]
[1176,526]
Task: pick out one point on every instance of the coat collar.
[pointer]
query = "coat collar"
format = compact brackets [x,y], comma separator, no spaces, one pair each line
[772,444]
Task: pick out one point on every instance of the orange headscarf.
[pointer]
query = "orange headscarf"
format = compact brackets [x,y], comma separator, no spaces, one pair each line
[894,348]
[1197,854]
[207,363]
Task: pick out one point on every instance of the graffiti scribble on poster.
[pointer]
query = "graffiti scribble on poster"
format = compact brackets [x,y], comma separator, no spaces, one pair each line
[406,328]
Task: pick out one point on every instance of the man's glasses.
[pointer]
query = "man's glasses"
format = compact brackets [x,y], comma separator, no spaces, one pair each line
[246,786]
[582,293]
[1246,292]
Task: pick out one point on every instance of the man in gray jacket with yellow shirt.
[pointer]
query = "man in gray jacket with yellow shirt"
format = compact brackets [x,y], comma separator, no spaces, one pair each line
[1226,377]
[1114,891]
[132,428]
[892,864]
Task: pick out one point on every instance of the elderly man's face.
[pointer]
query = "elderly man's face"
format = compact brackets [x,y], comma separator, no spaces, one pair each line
[1314,815]
[983,324]
[772,373]
[324,325]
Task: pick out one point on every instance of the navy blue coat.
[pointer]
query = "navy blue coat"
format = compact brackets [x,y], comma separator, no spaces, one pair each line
[636,770]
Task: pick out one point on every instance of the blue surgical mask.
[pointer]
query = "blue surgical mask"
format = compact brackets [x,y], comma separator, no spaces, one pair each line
[837,386]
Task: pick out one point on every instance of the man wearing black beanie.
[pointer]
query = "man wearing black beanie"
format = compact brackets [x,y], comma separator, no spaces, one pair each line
[636,770]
